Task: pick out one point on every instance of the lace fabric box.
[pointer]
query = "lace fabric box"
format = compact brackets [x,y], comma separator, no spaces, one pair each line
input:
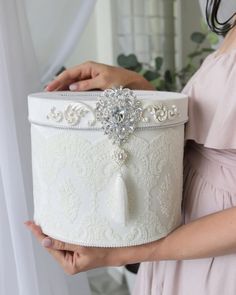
[107,166]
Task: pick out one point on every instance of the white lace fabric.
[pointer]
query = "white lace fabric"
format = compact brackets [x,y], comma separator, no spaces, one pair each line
[74,186]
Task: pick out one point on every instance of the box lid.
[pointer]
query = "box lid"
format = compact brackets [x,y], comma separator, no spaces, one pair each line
[79,110]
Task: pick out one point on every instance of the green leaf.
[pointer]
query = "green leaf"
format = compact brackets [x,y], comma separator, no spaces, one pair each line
[161,85]
[158,63]
[198,37]
[189,68]
[138,68]
[151,75]
[212,38]
[194,54]
[208,50]
[204,26]
[128,61]
[168,77]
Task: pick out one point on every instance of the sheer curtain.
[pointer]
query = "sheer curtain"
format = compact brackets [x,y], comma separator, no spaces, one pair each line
[56,26]
[25,267]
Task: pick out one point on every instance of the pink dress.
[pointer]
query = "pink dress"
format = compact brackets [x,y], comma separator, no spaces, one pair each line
[209,182]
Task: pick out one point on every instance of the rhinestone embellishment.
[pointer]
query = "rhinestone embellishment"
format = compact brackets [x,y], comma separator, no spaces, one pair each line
[119,156]
[119,112]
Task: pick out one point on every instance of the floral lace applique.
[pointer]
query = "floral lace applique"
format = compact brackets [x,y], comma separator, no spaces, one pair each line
[73,180]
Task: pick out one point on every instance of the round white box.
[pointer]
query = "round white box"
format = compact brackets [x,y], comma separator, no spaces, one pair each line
[82,195]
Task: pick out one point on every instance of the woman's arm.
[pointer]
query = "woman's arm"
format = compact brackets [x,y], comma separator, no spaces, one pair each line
[209,236]
[91,75]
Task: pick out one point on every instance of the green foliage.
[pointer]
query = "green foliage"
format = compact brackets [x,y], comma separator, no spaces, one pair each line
[198,37]
[158,63]
[173,80]
[212,38]
[129,62]
[151,75]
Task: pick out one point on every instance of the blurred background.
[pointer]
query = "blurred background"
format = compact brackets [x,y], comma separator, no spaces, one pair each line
[148,29]
[164,40]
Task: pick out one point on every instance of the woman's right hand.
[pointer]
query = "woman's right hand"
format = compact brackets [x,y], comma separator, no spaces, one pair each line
[91,75]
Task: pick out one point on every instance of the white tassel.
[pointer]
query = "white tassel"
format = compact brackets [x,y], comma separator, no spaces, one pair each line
[120,214]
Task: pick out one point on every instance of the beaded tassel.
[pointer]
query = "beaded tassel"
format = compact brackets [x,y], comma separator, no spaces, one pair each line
[120,200]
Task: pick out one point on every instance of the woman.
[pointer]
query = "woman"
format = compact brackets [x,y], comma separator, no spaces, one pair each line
[200,256]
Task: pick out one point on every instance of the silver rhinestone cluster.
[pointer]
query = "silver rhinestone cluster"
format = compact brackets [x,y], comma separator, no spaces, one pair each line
[119,156]
[119,112]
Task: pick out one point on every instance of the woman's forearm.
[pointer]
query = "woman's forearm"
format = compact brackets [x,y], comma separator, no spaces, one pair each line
[209,236]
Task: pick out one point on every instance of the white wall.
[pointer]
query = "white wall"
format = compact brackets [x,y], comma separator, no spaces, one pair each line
[96,42]
[189,22]
[86,48]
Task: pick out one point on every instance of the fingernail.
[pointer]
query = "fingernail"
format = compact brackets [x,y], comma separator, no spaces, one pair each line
[47,88]
[46,242]
[73,87]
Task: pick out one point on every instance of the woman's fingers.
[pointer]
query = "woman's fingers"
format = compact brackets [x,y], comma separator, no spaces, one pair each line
[36,230]
[61,82]
[85,85]
[54,85]
[58,255]
[88,70]
[73,258]
[92,75]
[59,245]
[49,242]
[63,257]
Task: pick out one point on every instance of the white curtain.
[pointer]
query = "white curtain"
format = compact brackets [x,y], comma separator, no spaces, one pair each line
[56,26]
[26,269]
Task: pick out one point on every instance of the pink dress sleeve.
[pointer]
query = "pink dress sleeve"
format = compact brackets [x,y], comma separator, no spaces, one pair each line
[212,102]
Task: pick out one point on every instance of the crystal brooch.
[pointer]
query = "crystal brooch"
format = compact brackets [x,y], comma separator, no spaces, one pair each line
[119,112]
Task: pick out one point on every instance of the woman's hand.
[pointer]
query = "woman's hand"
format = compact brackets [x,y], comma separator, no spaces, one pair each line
[209,236]
[91,75]
[74,258]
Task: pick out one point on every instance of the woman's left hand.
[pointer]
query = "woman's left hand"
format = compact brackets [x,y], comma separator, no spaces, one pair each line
[75,258]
